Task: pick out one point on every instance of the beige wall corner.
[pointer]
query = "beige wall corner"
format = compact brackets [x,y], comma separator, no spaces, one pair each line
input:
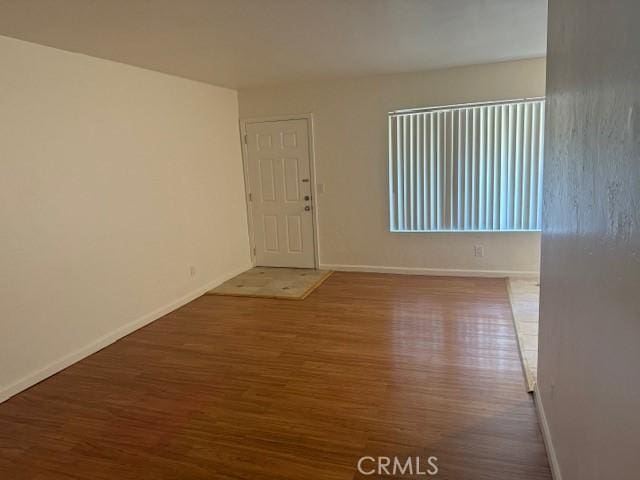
[114,182]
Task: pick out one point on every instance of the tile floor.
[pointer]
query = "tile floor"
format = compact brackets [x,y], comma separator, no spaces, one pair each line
[271,282]
[524,294]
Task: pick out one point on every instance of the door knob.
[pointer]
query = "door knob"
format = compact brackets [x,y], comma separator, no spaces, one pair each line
[307,208]
[307,198]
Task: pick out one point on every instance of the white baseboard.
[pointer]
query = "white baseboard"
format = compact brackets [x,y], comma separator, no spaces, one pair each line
[546,435]
[449,272]
[106,340]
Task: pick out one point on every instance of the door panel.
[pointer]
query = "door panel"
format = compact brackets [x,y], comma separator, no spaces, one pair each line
[294,234]
[291,180]
[271,237]
[280,186]
[267,180]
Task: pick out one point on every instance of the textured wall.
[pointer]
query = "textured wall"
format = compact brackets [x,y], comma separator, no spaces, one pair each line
[589,371]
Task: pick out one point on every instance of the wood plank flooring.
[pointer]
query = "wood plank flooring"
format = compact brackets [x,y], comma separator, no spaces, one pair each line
[247,388]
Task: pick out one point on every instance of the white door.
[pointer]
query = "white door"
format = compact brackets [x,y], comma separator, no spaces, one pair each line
[280,193]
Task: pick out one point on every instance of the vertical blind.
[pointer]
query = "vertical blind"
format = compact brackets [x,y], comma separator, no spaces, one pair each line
[474,167]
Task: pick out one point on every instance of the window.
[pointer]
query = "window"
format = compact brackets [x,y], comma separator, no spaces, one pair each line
[474,167]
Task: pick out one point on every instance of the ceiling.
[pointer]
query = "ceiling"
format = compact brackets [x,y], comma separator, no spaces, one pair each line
[248,43]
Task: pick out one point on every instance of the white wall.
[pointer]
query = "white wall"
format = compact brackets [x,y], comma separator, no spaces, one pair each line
[350,119]
[114,180]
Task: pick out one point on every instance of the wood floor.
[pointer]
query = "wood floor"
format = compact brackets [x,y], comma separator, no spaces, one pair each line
[248,388]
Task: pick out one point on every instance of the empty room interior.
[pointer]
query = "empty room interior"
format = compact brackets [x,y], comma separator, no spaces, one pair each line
[319,239]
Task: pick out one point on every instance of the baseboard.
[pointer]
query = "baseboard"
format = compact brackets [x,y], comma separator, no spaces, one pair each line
[546,435]
[106,340]
[449,272]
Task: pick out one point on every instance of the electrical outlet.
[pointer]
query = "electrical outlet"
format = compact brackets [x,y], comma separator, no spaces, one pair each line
[478,250]
[192,270]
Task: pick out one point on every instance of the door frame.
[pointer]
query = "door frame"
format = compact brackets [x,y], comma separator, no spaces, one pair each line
[312,180]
